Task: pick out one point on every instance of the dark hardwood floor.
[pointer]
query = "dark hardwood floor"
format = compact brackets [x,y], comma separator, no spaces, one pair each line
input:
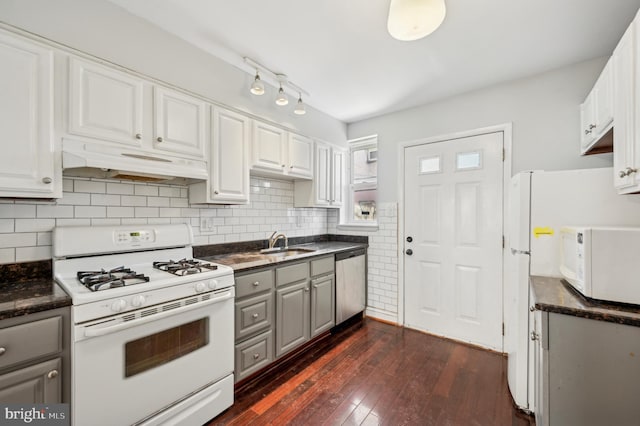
[379,374]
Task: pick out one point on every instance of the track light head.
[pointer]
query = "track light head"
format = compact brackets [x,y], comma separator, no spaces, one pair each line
[257,87]
[282,99]
[300,106]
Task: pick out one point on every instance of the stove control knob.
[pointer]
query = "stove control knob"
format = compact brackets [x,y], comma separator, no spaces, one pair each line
[213,284]
[138,300]
[118,305]
[200,287]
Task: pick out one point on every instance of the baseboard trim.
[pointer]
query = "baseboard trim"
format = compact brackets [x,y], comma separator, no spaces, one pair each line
[382,316]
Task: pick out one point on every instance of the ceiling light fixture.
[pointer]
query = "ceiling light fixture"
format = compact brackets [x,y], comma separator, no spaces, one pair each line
[279,80]
[257,87]
[299,106]
[282,99]
[414,19]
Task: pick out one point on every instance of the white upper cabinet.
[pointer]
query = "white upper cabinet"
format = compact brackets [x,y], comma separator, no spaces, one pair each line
[115,107]
[596,115]
[105,104]
[228,161]
[28,167]
[625,142]
[326,189]
[179,122]
[279,153]
[300,150]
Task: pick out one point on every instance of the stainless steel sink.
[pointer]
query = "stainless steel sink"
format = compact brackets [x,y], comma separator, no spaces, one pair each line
[286,252]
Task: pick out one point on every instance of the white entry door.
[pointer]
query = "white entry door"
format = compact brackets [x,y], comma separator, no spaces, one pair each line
[453,238]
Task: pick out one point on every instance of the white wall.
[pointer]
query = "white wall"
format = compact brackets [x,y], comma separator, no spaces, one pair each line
[107,31]
[544,110]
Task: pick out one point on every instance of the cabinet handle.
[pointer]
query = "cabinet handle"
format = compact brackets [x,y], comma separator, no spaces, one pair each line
[52,374]
[532,308]
[255,315]
[256,284]
[283,166]
[256,356]
[215,192]
[2,351]
[534,335]
[159,139]
[291,167]
[138,136]
[592,126]
[586,132]
[47,180]
[622,173]
[630,171]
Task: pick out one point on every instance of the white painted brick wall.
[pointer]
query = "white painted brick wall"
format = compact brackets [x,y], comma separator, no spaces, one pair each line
[382,261]
[25,226]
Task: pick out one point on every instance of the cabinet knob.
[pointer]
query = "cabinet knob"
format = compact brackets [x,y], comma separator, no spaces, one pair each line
[283,166]
[532,308]
[138,136]
[586,132]
[255,316]
[2,351]
[315,286]
[256,356]
[47,180]
[256,284]
[52,374]
[159,139]
[306,289]
[215,192]
[622,173]
[592,126]
[291,167]
[534,335]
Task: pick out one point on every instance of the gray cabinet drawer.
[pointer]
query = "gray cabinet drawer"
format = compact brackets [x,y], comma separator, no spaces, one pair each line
[322,266]
[254,283]
[253,355]
[292,273]
[253,314]
[37,384]
[32,340]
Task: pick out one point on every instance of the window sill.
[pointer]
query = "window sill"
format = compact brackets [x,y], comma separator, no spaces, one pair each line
[369,227]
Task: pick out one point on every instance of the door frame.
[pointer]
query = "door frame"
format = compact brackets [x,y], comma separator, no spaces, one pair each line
[506,130]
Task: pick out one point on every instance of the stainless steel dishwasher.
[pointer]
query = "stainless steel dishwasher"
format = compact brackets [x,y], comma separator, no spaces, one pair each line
[351,284]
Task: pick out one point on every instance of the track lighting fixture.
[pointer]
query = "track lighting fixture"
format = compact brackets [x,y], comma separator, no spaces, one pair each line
[282,99]
[281,81]
[257,87]
[299,106]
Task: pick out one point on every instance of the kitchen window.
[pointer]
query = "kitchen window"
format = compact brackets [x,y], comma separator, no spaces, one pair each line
[361,201]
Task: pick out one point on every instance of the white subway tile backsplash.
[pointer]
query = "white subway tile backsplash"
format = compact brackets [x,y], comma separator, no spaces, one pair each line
[67,185]
[73,222]
[90,211]
[101,222]
[48,211]
[34,225]
[151,191]
[91,186]
[169,191]
[24,239]
[134,221]
[75,199]
[44,238]
[17,210]
[7,225]
[120,211]
[120,188]
[158,202]
[105,200]
[29,254]
[169,212]
[147,212]
[133,200]
[7,255]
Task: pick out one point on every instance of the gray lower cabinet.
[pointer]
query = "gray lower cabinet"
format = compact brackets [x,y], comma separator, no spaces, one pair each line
[280,308]
[34,358]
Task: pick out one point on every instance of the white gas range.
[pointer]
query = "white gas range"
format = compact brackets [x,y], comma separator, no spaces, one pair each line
[152,332]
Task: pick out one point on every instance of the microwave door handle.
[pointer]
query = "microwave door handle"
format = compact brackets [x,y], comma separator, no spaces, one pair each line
[101,331]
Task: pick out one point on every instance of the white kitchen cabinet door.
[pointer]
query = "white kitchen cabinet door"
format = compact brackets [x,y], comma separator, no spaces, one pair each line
[337,176]
[28,166]
[179,121]
[625,141]
[300,150]
[322,175]
[105,104]
[587,122]
[269,147]
[229,159]
[596,115]
[604,99]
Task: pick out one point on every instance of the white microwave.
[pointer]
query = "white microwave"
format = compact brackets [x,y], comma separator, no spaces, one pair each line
[602,262]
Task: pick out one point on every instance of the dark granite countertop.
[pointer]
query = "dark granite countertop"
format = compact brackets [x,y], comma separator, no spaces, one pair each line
[248,260]
[556,295]
[26,288]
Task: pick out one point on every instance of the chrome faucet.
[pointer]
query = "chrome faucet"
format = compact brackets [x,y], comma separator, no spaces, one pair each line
[274,238]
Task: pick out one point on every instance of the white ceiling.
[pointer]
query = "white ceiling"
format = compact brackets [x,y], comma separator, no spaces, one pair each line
[340,52]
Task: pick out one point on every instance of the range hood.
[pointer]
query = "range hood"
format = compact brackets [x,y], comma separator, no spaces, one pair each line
[93,160]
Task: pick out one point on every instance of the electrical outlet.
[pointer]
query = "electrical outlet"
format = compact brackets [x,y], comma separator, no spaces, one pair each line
[206,225]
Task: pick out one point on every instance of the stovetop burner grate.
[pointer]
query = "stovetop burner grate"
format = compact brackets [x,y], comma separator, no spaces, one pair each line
[184,266]
[116,277]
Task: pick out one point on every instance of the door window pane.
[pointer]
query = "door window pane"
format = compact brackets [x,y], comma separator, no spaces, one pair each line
[430,165]
[468,160]
[151,351]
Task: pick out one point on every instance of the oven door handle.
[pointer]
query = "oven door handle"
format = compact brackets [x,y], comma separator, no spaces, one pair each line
[101,331]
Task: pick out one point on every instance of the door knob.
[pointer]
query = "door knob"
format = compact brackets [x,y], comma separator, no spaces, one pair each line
[409,239]
[409,252]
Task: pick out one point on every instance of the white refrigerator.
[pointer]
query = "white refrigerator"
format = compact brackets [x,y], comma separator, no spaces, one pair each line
[540,203]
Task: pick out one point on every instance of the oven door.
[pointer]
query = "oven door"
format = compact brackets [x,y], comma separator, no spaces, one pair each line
[132,366]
